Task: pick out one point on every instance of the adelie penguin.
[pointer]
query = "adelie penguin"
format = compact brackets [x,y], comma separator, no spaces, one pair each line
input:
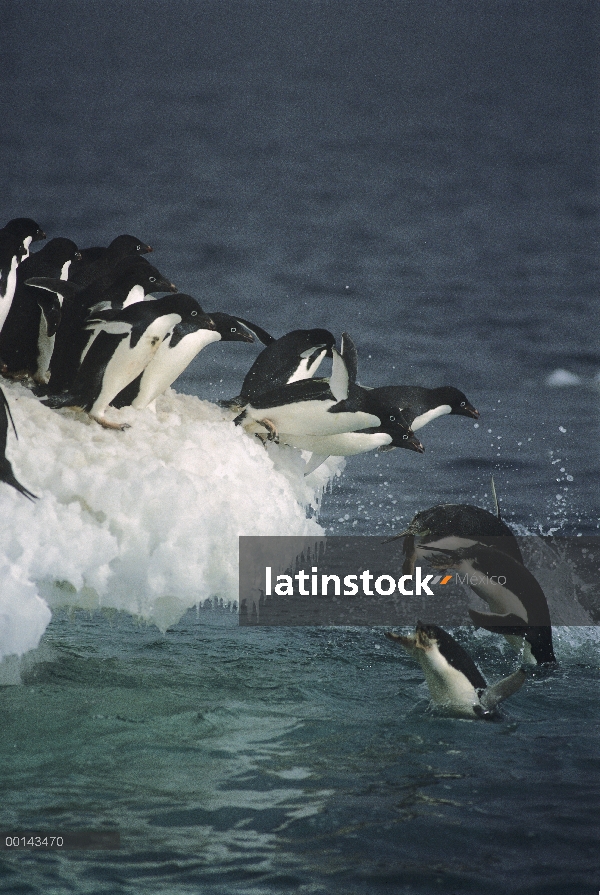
[315,407]
[455,684]
[422,405]
[6,471]
[26,230]
[27,338]
[519,609]
[97,262]
[11,255]
[293,357]
[133,278]
[176,352]
[453,526]
[120,346]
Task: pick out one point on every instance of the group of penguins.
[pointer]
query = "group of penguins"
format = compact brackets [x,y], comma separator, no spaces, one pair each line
[83,328]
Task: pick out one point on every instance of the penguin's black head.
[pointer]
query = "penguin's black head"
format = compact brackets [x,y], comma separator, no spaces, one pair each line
[192,316]
[152,280]
[125,245]
[458,401]
[59,250]
[10,246]
[231,329]
[394,423]
[24,227]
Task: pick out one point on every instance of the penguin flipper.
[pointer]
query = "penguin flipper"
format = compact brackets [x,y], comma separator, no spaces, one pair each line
[499,624]
[315,461]
[350,355]
[501,690]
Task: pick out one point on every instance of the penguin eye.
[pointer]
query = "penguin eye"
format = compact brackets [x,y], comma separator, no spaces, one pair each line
[392,419]
[462,403]
[138,249]
[405,436]
[194,313]
[233,329]
[153,279]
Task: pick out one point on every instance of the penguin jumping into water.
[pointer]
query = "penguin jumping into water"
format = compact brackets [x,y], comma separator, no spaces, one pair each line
[453,526]
[519,609]
[313,406]
[293,357]
[455,683]
[121,344]
[6,471]
[422,405]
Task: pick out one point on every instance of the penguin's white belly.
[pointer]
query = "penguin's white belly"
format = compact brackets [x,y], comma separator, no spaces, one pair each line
[448,687]
[307,367]
[343,445]
[126,363]
[429,415]
[168,363]
[311,418]
[11,285]
[498,597]
[45,350]
[135,294]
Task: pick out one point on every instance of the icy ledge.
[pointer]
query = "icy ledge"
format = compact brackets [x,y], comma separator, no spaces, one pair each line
[146,520]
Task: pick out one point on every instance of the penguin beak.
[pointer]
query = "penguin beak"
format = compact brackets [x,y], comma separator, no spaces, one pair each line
[398,638]
[470,411]
[395,537]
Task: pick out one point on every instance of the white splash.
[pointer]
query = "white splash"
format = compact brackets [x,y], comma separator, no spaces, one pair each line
[562,379]
[146,520]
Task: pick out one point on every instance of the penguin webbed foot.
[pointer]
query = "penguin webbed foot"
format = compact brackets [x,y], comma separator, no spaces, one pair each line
[272,433]
[106,424]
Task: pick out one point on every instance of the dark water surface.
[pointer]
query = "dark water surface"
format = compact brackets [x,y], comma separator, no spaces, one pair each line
[425,177]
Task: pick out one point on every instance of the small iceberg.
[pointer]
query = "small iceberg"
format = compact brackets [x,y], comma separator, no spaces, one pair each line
[561,378]
[144,521]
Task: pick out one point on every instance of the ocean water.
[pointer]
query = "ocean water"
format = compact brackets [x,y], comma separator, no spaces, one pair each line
[425,178]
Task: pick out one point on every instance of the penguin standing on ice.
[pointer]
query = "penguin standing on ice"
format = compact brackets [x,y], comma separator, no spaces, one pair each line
[11,255]
[455,683]
[177,351]
[120,345]
[133,279]
[27,338]
[6,471]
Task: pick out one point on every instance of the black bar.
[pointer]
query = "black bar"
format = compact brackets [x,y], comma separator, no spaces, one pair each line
[41,840]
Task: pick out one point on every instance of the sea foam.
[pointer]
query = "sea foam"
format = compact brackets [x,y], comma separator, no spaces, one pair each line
[145,520]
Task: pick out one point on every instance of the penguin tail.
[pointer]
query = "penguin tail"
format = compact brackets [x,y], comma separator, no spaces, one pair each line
[236,404]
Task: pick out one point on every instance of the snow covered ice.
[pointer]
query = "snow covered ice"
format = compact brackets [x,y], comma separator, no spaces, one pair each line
[146,520]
